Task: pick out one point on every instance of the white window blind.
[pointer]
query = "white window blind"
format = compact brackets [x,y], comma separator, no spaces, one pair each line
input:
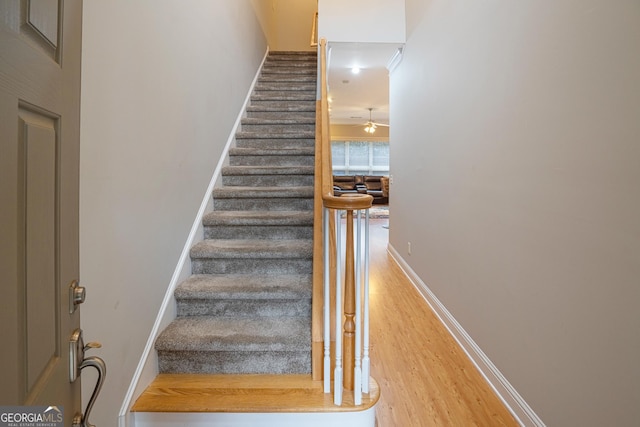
[360,157]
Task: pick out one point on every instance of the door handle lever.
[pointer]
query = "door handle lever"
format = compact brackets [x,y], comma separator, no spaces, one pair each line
[82,420]
[78,362]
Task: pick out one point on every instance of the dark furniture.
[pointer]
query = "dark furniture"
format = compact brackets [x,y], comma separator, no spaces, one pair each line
[363,184]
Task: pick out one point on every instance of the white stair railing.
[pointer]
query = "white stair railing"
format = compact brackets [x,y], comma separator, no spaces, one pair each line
[351,344]
[341,286]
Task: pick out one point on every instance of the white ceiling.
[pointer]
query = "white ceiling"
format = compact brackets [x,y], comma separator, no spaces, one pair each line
[351,95]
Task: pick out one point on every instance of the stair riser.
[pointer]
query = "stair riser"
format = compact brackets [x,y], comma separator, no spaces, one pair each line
[267,180]
[312,58]
[271,160]
[282,96]
[307,64]
[304,105]
[251,266]
[285,86]
[282,78]
[274,143]
[271,115]
[277,129]
[244,308]
[283,106]
[267,204]
[310,61]
[272,232]
[295,63]
[293,71]
[293,55]
[224,362]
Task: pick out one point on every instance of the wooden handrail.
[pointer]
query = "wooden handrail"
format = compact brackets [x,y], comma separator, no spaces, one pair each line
[325,198]
[314,30]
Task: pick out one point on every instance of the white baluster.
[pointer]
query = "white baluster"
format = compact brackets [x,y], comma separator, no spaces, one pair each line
[365,361]
[327,304]
[357,370]
[337,376]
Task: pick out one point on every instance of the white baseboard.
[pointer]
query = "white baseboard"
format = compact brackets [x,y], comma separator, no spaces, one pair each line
[147,368]
[505,391]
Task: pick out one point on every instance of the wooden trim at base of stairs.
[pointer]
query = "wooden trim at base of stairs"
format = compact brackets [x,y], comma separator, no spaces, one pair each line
[197,393]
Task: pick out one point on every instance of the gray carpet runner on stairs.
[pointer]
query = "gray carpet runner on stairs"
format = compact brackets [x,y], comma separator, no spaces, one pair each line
[247,306]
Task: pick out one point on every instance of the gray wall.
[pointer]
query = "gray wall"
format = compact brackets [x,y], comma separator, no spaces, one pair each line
[163,82]
[515,152]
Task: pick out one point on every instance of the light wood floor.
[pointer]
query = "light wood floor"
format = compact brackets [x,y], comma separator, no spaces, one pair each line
[425,378]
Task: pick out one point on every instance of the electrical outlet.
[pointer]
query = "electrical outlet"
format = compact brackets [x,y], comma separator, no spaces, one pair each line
[409,248]
[390,179]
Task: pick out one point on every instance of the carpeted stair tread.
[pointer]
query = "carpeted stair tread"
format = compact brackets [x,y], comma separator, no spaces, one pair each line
[267,170]
[303,151]
[263,192]
[288,120]
[300,78]
[275,143]
[271,69]
[275,106]
[245,286]
[262,218]
[293,56]
[291,62]
[283,96]
[259,224]
[293,53]
[292,59]
[287,108]
[254,249]
[285,86]
[208,333]
[279,125]
[263,135]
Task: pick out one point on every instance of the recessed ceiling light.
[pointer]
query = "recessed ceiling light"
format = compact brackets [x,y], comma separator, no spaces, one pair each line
[355,70]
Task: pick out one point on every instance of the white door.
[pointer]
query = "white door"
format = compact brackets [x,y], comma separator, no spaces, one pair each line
[40,45]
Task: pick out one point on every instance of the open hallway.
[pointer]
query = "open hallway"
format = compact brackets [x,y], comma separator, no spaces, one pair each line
[425,378]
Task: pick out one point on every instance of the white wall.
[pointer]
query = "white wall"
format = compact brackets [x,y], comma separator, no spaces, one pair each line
[370,21]
[163,82]
[287,24]
[515,151]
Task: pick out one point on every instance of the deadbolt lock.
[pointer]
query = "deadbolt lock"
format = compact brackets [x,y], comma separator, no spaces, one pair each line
[77,296]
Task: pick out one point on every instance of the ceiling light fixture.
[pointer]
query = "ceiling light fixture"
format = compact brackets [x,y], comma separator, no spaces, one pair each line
[370,127]
[355,70]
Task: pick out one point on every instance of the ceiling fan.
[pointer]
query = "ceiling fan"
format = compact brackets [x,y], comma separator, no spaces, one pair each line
[370,126]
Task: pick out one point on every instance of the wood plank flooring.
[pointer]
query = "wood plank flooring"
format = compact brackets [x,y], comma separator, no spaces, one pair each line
[425,378]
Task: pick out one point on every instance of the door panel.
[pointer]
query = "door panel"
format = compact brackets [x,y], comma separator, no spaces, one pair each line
[38,194]
[43,17]
[39,163]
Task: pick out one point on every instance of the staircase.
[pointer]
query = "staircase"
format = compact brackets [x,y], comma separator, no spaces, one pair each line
[246,309]
[239,351]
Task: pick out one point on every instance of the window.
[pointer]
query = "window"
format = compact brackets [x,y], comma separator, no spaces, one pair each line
[360,157]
